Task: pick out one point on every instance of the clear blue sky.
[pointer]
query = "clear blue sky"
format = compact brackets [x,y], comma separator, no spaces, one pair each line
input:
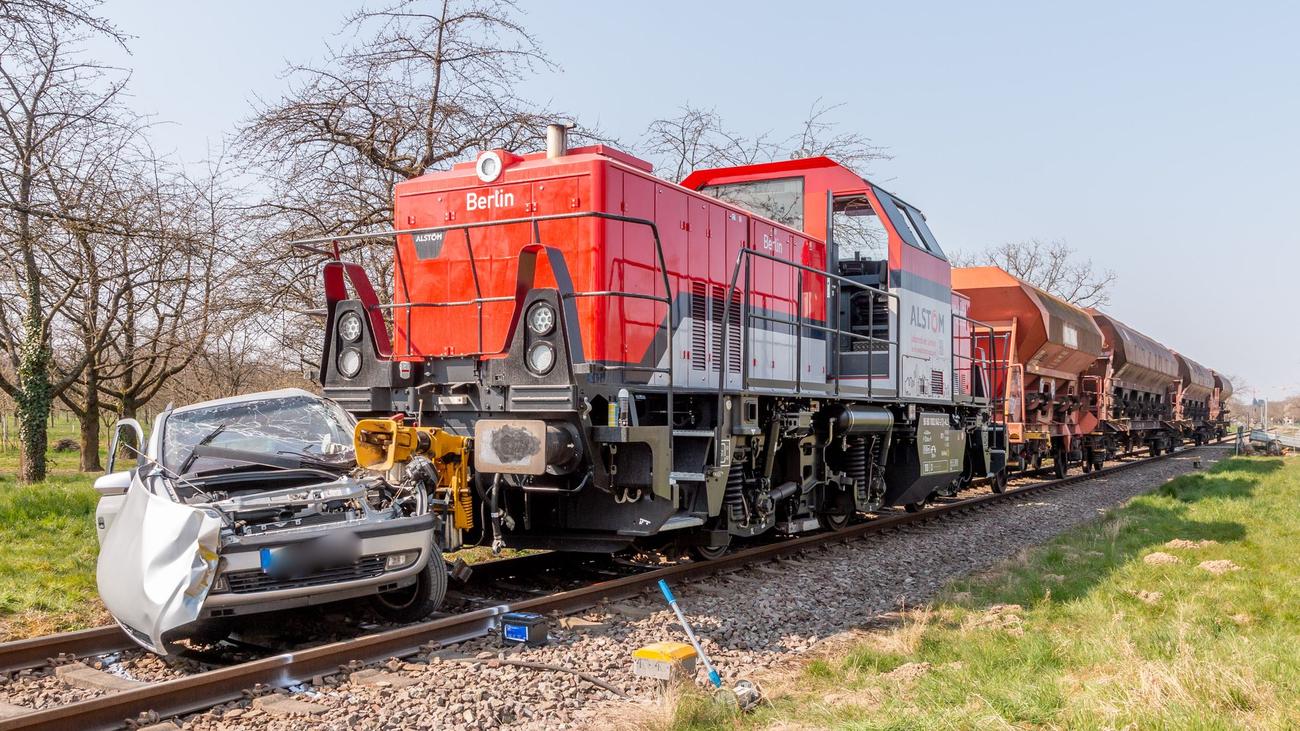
[1161,139]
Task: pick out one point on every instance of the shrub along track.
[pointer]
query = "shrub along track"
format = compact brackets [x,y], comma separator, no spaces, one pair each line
[203,690]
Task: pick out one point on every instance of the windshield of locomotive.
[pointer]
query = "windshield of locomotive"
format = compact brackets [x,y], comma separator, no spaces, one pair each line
[303,426]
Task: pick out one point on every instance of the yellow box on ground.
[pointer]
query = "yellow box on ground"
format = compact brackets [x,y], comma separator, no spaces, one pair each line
[664,660]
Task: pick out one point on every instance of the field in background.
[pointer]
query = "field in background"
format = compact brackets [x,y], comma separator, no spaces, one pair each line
[1179,610]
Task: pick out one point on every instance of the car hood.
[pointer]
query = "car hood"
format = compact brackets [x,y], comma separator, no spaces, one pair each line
[156,564]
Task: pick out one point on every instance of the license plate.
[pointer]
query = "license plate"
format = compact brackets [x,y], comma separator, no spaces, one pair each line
[308,557]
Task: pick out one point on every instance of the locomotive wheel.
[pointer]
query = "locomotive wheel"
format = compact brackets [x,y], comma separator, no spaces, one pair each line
[1087,466]
[1060,467]
[708,553]
[999,483]
[833,521]
[915,507]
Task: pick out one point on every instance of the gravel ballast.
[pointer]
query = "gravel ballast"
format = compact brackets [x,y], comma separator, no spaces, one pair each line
[748,621]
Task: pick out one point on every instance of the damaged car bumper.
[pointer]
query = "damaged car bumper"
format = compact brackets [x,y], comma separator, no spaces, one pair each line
[390,555]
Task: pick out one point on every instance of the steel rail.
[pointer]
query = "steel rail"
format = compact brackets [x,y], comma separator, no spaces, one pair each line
[204,690]
[38,651]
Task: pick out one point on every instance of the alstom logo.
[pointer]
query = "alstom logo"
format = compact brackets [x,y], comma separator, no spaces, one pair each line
[926,319]
[495,199]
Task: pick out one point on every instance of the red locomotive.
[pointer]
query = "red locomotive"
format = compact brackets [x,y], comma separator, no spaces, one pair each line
[640,363]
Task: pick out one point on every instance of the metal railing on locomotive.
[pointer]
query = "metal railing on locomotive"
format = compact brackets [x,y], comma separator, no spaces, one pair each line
[567,293]
[836,284]
[985,369]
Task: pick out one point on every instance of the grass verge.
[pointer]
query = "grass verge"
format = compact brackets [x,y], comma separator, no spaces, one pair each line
[1179,610]
[48,547]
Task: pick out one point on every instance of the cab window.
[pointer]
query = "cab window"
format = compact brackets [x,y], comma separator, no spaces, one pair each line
[780,199]
[910,225]
[856,227]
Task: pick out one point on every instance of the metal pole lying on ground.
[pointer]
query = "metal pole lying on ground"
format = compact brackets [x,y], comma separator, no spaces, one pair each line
[672,602]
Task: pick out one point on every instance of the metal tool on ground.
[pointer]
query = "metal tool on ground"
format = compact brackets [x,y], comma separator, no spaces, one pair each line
[690,634]
[745,695]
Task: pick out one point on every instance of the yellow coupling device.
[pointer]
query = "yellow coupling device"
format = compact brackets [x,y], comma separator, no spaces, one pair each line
[382,444]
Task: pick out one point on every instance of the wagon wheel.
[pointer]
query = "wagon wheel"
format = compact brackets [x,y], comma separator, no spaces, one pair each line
[999,483]
[1060,466]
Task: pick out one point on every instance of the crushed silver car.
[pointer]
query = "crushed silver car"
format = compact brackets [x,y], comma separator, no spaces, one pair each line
[257,503]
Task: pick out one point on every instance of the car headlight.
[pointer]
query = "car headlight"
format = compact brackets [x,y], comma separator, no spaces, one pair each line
[350,327]
[394,561]
[541,358]
[541,318]
[350,362]
[488,168]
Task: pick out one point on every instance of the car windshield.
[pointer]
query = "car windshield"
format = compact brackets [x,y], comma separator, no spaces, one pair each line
[299,425]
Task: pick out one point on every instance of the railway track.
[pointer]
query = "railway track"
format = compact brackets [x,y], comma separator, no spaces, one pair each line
[203,690]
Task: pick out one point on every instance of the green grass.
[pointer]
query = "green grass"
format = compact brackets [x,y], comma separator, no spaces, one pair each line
[48,546]
[1083,633]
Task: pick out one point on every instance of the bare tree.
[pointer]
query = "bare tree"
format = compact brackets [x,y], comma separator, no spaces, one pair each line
[1051,266]
[699,138]
[181,294]
[416,86]
[50,99]
[67,13]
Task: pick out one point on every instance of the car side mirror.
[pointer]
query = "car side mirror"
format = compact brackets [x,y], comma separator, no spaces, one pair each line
[116,441]
[114,483]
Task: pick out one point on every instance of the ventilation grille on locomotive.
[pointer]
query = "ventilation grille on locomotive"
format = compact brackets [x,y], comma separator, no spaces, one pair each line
[699,325]
[734,333]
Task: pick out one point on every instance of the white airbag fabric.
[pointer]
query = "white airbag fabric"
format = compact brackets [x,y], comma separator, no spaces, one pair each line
[156,564]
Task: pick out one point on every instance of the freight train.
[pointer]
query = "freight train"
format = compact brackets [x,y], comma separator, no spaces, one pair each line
[639,364]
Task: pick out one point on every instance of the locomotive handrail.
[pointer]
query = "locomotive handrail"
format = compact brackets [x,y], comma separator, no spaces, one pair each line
[989,363]
[742,261]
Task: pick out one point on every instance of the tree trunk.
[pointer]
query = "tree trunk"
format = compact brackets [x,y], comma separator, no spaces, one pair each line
[33,405]
[90,429]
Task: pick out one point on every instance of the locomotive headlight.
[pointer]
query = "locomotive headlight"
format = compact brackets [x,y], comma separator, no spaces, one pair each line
[350,362]
[541,318]
[350,327]
[541,358]
[488,166]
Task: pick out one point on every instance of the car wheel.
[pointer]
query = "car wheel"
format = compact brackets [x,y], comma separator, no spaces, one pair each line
[415,602]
